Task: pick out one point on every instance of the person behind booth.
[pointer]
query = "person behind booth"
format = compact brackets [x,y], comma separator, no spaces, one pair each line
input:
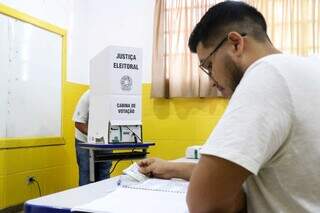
[263,154]
[81,118]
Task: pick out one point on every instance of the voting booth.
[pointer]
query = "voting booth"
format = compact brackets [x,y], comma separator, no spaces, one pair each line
[115,96]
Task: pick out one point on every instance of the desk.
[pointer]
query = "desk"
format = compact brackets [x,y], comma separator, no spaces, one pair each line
[64,201]
[133,153]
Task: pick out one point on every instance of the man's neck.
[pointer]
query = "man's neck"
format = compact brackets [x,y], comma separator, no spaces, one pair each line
[261,51]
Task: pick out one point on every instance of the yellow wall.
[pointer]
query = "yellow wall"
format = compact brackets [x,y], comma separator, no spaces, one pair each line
[172,124]
[53,166]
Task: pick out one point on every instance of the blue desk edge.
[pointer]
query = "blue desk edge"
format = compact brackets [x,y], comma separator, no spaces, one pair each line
[30,208]
[126,145]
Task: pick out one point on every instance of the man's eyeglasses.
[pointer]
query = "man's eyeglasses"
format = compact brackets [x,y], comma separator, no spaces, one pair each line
[207,67]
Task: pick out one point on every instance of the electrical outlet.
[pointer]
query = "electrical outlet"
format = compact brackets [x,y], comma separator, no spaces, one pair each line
[30,179]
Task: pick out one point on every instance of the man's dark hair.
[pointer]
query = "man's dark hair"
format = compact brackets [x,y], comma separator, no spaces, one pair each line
[225,17]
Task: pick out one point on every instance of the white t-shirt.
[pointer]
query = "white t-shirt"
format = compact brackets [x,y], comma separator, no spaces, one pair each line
[81,115]
[271,127]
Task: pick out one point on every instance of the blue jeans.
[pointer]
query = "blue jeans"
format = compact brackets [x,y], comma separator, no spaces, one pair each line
[101,169]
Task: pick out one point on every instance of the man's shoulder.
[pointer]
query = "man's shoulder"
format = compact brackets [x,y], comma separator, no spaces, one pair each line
[264,76]
[273,61]
[275,64]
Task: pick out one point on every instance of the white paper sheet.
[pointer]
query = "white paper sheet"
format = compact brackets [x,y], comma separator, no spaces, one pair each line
[142,200]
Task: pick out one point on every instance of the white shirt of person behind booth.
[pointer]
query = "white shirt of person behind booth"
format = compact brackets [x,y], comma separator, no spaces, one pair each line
[81,115]
[271,128]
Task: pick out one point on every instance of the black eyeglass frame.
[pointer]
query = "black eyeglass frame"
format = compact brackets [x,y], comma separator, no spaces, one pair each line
[201,65]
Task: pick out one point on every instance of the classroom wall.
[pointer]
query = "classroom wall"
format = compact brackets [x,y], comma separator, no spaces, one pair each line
[173,124]
[68,14]
[53,166]
[121,22]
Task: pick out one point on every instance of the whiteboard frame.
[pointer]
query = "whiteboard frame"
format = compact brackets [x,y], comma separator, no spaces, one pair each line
[7,143]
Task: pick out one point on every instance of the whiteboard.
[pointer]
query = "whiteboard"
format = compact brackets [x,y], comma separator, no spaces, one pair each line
[31,80]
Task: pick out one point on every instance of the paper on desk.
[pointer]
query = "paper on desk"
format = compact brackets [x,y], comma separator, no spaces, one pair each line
[138,200]
[155,184]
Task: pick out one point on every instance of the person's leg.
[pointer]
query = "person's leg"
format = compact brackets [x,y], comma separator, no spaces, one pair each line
[83,164]
[102,169]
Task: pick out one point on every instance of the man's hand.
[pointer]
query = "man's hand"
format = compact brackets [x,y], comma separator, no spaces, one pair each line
[155,167]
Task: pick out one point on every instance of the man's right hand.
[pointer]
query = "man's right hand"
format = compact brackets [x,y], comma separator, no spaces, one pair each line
[155,167]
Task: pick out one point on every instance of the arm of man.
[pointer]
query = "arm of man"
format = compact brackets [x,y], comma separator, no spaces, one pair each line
[82,127]
[216,186]
[165,169]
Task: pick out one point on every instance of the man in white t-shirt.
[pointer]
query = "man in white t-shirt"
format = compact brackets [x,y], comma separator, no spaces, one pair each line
[81,118]
[264,153]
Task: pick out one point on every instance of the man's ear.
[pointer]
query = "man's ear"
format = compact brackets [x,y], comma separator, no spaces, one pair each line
[237,43]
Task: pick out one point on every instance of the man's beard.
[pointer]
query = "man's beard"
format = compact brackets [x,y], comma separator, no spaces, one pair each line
[235,73]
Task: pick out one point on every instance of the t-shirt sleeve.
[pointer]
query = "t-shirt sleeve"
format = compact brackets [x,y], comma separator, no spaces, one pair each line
[81,113]
[256,122]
